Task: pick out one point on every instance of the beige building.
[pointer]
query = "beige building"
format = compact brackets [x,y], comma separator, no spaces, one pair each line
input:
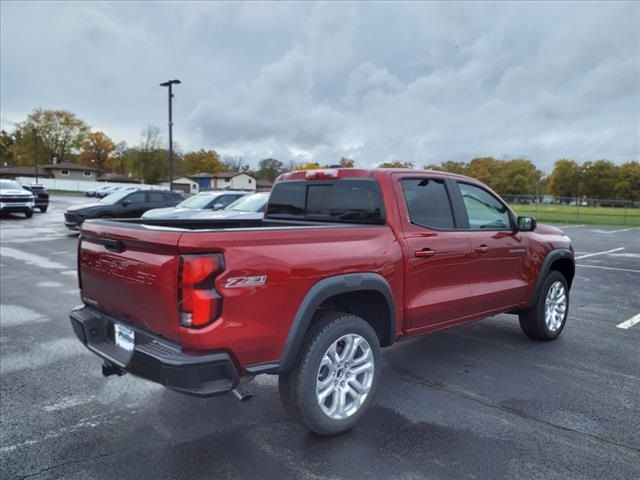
[60,171]
[225,181]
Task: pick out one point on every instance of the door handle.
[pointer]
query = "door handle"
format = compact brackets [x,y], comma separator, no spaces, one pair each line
[482,249]
[425,253]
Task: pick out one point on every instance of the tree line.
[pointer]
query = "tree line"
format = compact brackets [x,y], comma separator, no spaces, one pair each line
[46,134]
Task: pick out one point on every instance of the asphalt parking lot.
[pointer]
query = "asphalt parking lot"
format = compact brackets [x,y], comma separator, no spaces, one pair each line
[480,401]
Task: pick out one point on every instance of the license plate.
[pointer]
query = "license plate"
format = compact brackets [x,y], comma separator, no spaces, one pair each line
[125,337]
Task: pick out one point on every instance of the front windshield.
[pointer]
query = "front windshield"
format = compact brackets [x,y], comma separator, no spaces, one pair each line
[250,203]
[9,185]
[197,201]
[115,197]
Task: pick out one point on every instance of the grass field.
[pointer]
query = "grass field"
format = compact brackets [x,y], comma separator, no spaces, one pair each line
[587,215]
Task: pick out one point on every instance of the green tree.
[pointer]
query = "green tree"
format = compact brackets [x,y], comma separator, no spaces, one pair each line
[7,143]
[564,180]
[518,176]
[150,159]
[96,151]
[269,169]
[600,179]
[207,161]
[396,164]
[60,134]
[628,185]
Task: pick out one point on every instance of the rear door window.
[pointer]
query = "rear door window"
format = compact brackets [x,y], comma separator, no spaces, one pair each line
[156,197]
[428,203]
[136,197]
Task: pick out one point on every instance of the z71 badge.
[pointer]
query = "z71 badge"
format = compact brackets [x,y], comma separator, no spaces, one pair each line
[237,282]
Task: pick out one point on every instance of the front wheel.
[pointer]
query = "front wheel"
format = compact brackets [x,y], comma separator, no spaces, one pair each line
[546,319]
[28,213]
[335,378]
[43,209]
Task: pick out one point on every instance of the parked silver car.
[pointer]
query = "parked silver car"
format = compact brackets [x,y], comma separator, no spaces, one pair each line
[204,201]
[249,207]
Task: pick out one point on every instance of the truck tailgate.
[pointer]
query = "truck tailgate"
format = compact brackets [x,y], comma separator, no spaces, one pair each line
[131,273]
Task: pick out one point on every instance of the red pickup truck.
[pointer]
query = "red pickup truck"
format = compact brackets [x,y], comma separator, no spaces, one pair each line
[345,261]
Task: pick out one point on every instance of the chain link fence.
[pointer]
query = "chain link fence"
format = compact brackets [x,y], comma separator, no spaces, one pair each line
[550,208]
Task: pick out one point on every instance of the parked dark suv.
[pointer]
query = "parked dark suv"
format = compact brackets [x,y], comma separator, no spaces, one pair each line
[126,204]
[40,195]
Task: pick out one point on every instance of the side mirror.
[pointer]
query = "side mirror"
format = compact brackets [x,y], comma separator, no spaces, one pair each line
[126,203]
[527,224]
[218,206]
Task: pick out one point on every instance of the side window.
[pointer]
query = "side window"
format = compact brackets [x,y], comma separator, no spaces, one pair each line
[224,200]
[483,209]
[156,197]
[428,202]
[136,197]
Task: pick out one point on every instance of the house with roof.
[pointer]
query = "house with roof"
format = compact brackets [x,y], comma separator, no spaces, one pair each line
[59,171]
[225,181]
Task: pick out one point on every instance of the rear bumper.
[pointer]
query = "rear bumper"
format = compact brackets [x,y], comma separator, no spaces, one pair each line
[155,358]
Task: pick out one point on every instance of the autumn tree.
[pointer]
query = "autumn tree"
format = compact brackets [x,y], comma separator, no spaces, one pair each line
[96,151]
[269,169]
[58,133]
[207,161]
[347,162]
[396,164]
[308,166]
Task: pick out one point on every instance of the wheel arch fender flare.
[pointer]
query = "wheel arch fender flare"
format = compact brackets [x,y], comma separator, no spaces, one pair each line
[550,259]
[323,290]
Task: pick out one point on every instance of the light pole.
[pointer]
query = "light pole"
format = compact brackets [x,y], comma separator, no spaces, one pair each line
[170,84]
[35,151]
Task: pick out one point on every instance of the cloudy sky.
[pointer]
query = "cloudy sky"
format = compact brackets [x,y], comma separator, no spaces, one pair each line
[421,82]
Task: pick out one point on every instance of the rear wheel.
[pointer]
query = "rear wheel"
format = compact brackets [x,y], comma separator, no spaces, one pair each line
[334,380]
[546,319]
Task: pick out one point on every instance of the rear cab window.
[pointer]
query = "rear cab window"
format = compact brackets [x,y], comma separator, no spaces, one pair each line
[340,200]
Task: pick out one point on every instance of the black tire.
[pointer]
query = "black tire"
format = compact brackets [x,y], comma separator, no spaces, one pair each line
[28,213]
[298,387]
[532,321]
[43,209]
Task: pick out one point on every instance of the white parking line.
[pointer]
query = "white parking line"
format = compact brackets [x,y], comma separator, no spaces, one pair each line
[610,268]
[599,253]
[618,231]
[629,323]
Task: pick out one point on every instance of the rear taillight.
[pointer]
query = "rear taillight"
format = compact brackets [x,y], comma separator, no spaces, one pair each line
[198,302]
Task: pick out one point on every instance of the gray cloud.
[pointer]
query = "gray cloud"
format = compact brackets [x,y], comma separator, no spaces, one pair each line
[423,82]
